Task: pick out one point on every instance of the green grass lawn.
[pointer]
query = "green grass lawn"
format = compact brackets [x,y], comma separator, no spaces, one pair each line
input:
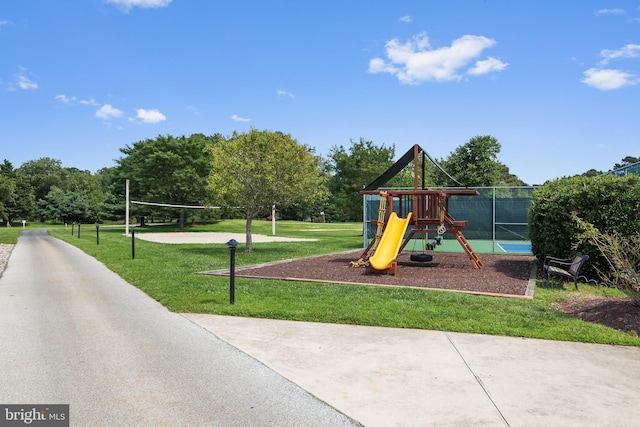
[9,235]
[168,274]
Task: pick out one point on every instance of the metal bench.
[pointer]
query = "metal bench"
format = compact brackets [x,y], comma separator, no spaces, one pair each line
[566,267]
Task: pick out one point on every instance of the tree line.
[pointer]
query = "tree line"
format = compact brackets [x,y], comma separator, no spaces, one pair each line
[243,174]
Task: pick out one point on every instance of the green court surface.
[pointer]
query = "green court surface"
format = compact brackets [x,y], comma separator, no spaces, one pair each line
[450,244]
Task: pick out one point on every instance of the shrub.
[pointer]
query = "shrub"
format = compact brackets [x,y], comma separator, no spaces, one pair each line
[622,254]
[609,202]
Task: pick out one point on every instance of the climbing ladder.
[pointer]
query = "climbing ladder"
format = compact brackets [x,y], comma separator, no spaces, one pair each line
[473,257]
[363,261]
[382,210]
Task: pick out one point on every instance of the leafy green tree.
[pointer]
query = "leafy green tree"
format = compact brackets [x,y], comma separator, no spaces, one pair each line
[7,190]
[509,179]
[255,170]
[87,184]
[350,170]
[65,205]
[475,164]
[7,196]
[168,169]
[16,195]
[42,175]
[591,173]
[105,177]
[113,204]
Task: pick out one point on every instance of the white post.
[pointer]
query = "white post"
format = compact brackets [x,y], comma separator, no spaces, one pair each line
[126,209]
[273,219]
[493,218]
[365,230]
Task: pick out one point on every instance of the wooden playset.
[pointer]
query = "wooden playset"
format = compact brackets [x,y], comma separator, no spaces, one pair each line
[423,211]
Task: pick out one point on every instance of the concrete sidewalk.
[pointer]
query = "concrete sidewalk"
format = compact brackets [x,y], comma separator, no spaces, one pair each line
[403,377]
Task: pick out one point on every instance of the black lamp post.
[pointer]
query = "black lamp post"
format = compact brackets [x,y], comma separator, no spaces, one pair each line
[133,243]
[97,233]
[232,270]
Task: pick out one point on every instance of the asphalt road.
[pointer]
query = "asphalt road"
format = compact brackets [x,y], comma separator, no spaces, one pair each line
[72,332]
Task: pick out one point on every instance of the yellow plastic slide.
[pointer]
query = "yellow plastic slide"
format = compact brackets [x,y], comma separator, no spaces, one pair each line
[389,244]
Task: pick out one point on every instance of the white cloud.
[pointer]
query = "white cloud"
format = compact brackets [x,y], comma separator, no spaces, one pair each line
[74,100]
[609,12]
[611,79]
[23,81]
[378,65]
[415,60]
[107,112]
[605,79]
[487,66]
[91,102]
[64,99]
[406,18]
[237,118]
[143,4]
[284,93]
[150,116]
[625,52]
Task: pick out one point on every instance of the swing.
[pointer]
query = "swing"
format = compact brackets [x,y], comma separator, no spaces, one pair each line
[423,257]
[441,230]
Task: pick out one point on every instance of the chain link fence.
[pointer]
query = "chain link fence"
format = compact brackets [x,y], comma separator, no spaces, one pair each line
[626,170]
[497,218]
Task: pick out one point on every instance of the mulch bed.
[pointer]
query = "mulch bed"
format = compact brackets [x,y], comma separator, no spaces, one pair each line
[506,275]
[617,313]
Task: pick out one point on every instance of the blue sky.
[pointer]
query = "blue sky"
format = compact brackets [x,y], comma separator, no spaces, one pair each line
[556,82]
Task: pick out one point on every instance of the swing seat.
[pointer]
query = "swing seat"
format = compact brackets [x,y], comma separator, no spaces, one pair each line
[421,257]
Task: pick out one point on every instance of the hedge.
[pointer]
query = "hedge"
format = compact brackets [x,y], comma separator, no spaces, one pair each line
[611,203]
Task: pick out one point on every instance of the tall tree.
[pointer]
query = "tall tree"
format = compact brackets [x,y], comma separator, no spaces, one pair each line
[171,170]
[475,163]
[113,204]
[350,170]
[42,175]
[82,181]
[509,179]
[7,196]
[65,205]
[16,195]
[255,170]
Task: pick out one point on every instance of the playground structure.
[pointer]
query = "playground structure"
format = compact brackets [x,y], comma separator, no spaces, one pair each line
[425,212]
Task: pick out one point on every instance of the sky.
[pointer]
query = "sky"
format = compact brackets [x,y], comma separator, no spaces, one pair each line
[557,83]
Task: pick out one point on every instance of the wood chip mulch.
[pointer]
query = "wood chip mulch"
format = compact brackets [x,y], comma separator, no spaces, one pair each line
[506,275]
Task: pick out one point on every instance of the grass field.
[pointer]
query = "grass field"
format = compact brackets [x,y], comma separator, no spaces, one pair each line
[168,274]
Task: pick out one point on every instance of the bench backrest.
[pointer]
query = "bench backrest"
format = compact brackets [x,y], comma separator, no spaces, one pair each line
[577,262]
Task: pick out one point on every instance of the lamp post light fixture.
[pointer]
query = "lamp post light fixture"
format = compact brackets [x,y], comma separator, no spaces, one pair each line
[232,270]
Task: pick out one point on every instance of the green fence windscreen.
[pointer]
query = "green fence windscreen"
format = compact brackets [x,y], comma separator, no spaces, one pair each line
[496,214]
